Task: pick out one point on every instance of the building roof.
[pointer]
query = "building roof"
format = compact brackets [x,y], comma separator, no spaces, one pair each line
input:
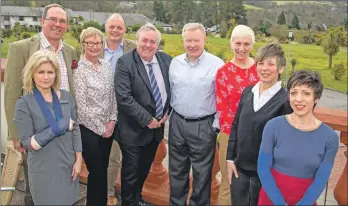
[28,11]
[129,18]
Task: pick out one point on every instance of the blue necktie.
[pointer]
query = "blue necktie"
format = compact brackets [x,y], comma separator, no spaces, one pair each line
[156,93]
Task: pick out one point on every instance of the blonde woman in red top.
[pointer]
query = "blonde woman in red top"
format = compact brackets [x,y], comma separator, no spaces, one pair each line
[231,80]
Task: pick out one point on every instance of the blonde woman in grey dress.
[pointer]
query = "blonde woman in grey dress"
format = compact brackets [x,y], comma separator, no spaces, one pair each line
[45,121]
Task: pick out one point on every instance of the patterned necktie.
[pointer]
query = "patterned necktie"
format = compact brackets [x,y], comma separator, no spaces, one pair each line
[156,93]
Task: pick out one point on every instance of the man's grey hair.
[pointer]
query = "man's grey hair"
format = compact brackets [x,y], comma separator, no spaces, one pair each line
[115,15]
[193,27]
[148,26]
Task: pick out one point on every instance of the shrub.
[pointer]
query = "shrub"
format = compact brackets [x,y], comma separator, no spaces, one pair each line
[92,24]
[309,39]
[6,33]
[161,44]
[76,32]
[159,28]
[338,71]
[26,35]
[136,27]
[78,51]
[221,54]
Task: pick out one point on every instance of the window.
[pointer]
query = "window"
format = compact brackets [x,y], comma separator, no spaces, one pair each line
[6,18]
[21,18]
[35,18]
[7,27]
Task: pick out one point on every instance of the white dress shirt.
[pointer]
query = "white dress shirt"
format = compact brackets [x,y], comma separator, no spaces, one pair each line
[158,76]
[261,100]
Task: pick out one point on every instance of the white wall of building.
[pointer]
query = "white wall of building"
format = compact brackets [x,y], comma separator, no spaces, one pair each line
[4,129]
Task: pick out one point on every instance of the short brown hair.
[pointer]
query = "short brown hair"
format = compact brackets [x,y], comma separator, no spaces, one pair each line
[272,50]
[309,78]
[44,15]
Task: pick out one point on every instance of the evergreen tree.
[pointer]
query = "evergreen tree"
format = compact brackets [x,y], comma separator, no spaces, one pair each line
[295,23]
[281,19]
[158,11]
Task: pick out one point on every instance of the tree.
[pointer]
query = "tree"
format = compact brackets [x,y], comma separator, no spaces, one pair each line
[332,41]
[293,64]
[80,19]
[295,23]
[281,19]
[264,26]
[158,11]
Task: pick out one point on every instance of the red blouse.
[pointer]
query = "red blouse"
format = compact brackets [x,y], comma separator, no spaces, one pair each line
[230,83]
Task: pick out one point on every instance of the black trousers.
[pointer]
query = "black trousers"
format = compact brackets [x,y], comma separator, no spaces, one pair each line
[96,151]
[136,164]
[190,143]
[246,188]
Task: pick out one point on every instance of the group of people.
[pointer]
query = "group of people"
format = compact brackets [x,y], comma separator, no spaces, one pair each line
[61,109]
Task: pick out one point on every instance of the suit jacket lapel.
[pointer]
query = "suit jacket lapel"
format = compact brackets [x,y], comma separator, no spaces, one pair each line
[34,45]
[141,69]
[126,47]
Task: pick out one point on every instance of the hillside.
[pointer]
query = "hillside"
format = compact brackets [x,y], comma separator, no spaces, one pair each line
[330,13]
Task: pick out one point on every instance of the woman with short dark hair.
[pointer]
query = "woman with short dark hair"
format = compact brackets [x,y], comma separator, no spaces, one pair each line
[297,150]
[258,104]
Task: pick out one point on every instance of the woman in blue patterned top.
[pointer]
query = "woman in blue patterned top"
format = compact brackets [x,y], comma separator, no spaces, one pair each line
[297,150]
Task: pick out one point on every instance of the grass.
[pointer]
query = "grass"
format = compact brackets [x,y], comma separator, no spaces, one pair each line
[311,2]
[252,7]
[308,56]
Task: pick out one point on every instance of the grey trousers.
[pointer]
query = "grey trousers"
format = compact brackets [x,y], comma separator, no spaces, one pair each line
[246,188]
[114,167]
[190,143]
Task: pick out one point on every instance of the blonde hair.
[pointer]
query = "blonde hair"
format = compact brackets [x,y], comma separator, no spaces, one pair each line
[35,61]
[242,31]
[148,26]
[90,31]
[193,27]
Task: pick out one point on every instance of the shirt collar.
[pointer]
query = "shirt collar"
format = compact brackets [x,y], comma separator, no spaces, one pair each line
[199,58]
[90,65]
[46,44]
[271,91]
[106,48]
[153,61]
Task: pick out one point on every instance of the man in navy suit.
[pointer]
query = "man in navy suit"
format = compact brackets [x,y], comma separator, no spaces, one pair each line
[143,96]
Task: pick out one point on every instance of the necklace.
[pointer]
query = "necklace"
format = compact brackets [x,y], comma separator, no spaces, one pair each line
[308,127]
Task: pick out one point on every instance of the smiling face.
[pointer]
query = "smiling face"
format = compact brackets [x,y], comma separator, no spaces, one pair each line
[115,29]
[55,24]
[44,76]
[147,44]
[268,71]
[302,100]
[194,41]
[241,47]
[92,46]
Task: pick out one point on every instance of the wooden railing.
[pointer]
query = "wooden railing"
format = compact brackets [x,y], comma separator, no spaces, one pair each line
[156,188]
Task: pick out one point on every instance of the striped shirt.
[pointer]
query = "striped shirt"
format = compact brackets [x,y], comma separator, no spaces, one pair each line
[44,44]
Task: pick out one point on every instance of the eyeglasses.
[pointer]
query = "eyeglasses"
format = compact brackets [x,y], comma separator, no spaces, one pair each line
[55,20]
[91,44]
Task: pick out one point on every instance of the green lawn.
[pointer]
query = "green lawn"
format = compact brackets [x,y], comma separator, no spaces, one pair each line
[252,7]
[304,1]
[308,56]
